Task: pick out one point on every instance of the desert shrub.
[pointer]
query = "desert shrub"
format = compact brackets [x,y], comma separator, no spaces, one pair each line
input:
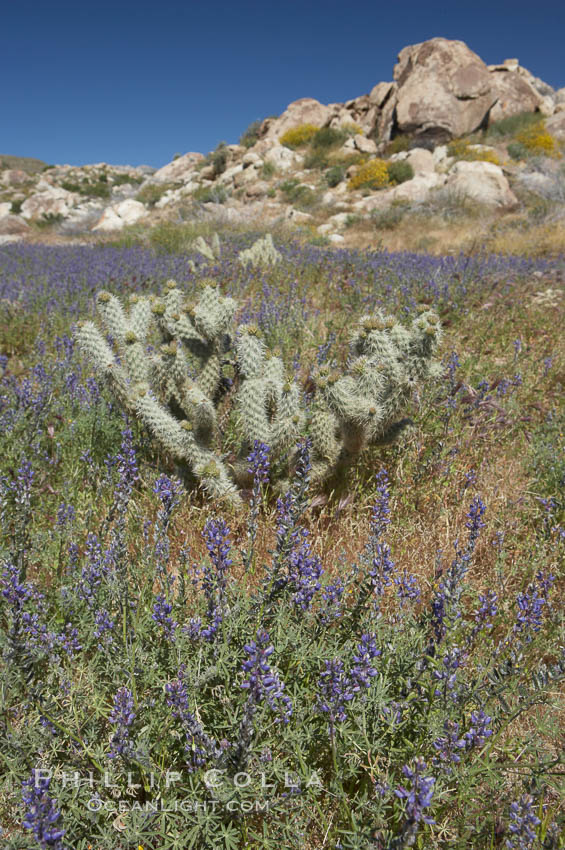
[329,137]
[96,189]
[268,170]
[512,125]
[297,193]
[152,192]
[211,195]
[334,175]
[400,143]
[49,220]
[390,218]
[168,237]
[399,171]
[463,149]
[298,136]
[123,179]
[16,207]
[179,390]
[251,134]
[516,150]
[316,159]
[538,141]
[372,175]
[218,159]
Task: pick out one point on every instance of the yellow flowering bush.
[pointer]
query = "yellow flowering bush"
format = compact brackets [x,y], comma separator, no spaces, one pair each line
[297,136]
[371,175]
[537,140]
[463,149]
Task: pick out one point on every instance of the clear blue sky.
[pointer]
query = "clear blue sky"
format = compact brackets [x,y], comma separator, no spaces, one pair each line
[136,82]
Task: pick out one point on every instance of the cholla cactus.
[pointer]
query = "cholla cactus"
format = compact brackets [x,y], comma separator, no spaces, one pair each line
[178,386]
[261,253]
[211,251]
[361,407]
[178,366]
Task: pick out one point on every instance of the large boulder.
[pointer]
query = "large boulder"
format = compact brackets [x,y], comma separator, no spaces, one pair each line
[303,111]
[556,125]
[48,201]
[444,90]
[13,225]
[515,91]
[119,215]
[282,158]
[14,176]
[179,169]
[482,182]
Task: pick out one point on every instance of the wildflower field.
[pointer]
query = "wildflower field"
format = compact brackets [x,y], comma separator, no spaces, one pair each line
[374,661]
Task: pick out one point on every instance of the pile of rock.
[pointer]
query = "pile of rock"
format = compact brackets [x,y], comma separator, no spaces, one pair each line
[440,91]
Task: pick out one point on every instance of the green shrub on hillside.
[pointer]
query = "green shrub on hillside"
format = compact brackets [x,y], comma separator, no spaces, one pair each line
[512,125]
[334,175]
[399,172]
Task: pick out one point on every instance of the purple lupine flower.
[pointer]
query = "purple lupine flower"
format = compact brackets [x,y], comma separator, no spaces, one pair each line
[363,671]
[531,605]
[38,635]
[380,516]
[452,661]
[259,464]
[382,568]
[474,520]
[65,515]
[262,683]
[470,478]
[523,824]
[547,364]
[446,602]
[332,595]
[394,712]
[447,745]
[42,814]
[452,365]
[487,609]
[216,535]
[69,640]
[121,717]
[419,795]
[126,462]
[502,387]
[169,491]
[517,347]
[335,690]
[305,570]
[198,745]
[407,587]
[479,729]
[16,592]
[104,625]
[162,615]
[94,572]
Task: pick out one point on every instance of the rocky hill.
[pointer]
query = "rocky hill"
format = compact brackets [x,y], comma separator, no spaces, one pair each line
[447,128]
